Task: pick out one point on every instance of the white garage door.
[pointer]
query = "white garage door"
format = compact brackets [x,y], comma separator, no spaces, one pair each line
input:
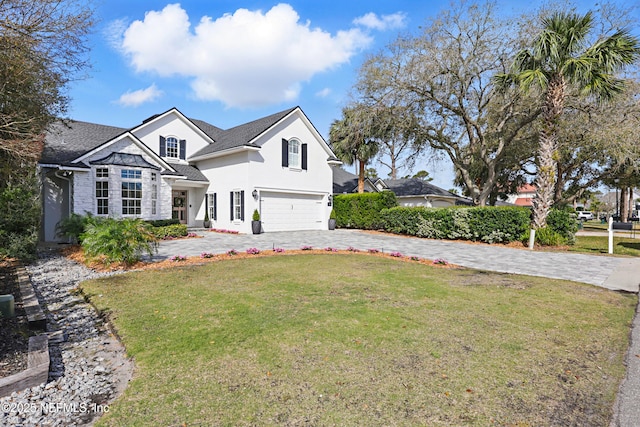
[288,212]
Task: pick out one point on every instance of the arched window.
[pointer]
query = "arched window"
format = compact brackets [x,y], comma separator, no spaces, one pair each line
[172,147]
[294,153]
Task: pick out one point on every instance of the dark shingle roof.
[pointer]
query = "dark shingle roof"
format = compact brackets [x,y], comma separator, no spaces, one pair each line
[243,134]
[212,131]
[346,182]
[68,140]
[192,173]
[125,159]
[416,187]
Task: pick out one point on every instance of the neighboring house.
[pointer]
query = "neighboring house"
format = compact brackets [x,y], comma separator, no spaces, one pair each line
[418,192]
[524,196]
[409,192]
[345,182]
[170,166]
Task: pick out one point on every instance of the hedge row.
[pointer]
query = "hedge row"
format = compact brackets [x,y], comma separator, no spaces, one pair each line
[486,224]
[362,211]
[169,231]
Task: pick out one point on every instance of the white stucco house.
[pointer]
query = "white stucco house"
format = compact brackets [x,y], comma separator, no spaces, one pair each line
[170,166]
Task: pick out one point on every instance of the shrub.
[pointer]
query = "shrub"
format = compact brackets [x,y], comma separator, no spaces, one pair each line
[256,215]
[546,236]
[564,223]
[169,231]
[73,226]
[162,222]
[19,219]
[362,210]
[487,224]
[114,240]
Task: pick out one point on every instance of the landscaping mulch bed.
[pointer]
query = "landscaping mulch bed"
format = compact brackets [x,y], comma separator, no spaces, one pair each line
[14,332]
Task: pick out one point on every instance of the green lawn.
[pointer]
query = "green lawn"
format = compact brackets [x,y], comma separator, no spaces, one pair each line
[337,339]
[600,245]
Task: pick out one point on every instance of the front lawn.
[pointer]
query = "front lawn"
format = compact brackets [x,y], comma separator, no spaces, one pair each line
[353,339]
[600,245]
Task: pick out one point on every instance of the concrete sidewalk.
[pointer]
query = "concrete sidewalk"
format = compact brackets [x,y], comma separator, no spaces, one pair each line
[615,273]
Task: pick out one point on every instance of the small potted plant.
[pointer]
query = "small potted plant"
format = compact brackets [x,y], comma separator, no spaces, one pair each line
[256,225]
[206,223]
[332,220]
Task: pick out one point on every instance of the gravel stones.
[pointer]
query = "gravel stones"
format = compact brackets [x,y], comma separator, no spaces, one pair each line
[88,365]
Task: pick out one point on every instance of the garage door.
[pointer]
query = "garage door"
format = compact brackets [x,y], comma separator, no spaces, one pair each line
[288,211]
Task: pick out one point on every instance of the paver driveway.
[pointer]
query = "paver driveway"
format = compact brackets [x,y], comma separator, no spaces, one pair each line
[592,269]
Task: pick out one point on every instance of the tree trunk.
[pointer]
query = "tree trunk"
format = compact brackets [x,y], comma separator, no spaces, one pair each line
[624,204]
[547,163]
[361,176]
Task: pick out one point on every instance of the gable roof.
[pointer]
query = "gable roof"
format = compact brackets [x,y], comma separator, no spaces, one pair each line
[242,135]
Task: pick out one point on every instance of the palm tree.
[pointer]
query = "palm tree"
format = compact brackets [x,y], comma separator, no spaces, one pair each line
[352,139]
[559,60]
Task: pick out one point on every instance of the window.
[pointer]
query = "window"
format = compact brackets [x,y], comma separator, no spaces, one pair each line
[102,197]
[130,174]
[237,206]
[102,191]
[172,147]
[294,154]
[131,192]
[212,205]
[154,193]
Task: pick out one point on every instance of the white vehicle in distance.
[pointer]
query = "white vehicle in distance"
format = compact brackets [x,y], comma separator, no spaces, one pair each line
[585,216]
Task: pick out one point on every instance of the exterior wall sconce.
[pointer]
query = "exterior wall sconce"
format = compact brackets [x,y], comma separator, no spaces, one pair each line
[255,194]
[330,200]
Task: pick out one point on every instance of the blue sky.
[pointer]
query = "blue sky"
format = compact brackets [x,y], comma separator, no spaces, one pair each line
[229,62]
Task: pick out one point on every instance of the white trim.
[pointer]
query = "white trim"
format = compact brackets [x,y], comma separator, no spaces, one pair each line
[135,140]
[177,112]
[223,153]
[290,191]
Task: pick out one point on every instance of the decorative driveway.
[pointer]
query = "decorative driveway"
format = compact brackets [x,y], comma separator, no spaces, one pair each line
[606,271]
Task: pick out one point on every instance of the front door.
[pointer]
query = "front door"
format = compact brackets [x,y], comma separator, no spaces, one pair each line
[179,206]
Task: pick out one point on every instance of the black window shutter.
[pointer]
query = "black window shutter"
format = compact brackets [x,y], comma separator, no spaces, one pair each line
[304,156]
[285,153]
[215,206]
[163,146]
[231,204]
[183,149]
[242,205]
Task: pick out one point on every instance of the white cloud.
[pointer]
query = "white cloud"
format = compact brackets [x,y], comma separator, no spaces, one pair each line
[323,93]
[138,97]
[385,22]
[248,58]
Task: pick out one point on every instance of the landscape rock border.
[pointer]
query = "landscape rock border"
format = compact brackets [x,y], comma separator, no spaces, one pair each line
[88,368]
